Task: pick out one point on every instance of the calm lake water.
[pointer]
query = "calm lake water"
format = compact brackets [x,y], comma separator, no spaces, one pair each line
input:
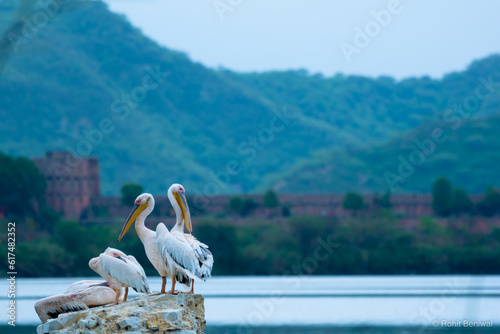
[343,304]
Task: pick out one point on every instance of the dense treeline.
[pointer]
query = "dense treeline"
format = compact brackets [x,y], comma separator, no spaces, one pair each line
[447,200]
[298,245]
[368,242]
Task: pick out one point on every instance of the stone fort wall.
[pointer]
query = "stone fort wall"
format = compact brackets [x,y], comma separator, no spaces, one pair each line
[73,187]
[411,205]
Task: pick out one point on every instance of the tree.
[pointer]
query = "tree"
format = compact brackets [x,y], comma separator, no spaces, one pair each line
[129,192]
[285,211]
[47,218]
[22,185]
[271,199]
[490,204]
[382,201]
[353,201]
[195,209]
[240,206]
[442,197]
[248,206]
[236,204]
[461,202]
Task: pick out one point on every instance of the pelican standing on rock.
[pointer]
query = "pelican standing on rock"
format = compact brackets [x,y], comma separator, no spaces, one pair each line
[183,251]
[173,254]
[144,205]
[120,270]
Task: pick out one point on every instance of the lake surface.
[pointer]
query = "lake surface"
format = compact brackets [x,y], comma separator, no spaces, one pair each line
[345,304]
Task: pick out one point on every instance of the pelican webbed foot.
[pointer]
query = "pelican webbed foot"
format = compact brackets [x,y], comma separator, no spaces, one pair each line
[192,288]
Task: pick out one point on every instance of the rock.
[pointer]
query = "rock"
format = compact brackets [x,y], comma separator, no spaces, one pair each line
[130,323]
[135,314]
[181,314]
[89,323]
[169,315]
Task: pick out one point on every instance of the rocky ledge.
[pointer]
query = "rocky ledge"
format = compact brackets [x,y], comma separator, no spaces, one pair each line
[182,313]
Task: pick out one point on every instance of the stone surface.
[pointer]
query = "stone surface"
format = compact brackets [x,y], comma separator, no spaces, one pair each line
[130,323]
[183,313]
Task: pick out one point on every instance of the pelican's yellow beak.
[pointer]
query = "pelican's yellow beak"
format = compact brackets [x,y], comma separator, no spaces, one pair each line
[181,200]
[131,218]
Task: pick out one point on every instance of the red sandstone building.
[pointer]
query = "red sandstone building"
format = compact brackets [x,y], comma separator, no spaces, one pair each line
[71,182]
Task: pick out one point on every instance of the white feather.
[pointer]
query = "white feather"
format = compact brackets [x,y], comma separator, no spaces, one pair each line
[125,271]
[128,257]
[176,249]
[204,256]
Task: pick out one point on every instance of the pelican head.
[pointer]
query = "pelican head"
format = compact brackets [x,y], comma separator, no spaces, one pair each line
[176,195]
[144,202]
[116,253]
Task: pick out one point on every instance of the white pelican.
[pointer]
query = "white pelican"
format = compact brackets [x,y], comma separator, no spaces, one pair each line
[155,243]
[120,270]
[144,205]
[183,251]
[79,296]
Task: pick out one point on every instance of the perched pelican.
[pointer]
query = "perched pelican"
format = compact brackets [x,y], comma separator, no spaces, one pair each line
[144,205]
[79,296]
[120,270]
[154,242]
[183,251]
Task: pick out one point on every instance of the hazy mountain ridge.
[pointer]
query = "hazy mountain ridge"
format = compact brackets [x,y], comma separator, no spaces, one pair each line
[198,120]
[379,168]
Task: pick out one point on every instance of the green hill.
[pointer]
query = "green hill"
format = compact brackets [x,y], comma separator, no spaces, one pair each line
[78,72]
[468,156]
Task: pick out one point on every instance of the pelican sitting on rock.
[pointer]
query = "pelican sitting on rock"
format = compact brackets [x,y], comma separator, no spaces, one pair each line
[120,270]
[79,296]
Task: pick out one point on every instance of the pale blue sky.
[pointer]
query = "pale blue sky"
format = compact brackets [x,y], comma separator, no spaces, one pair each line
[423,38]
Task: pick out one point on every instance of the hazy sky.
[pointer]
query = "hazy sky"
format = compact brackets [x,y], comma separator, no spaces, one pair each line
[419,38]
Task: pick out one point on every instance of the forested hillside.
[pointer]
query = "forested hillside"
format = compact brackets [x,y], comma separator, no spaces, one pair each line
[98,86]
